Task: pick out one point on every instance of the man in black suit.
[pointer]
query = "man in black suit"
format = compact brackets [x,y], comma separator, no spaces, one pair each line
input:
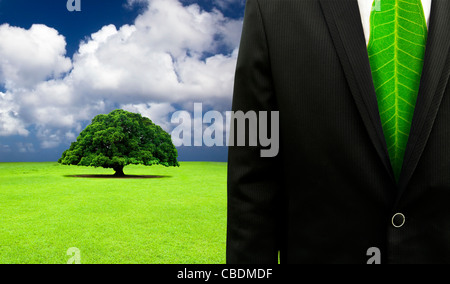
[331,194]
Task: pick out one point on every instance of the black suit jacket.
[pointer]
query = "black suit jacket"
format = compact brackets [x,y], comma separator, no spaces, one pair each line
[330,194]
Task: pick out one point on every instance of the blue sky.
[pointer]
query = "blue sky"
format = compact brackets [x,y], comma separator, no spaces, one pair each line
[58,69]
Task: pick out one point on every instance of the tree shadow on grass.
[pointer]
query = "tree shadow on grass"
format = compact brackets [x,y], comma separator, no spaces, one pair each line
[118,177]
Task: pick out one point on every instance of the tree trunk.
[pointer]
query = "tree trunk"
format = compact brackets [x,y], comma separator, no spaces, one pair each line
[119,171]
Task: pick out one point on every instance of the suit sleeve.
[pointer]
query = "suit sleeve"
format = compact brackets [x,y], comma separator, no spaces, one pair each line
[253,181]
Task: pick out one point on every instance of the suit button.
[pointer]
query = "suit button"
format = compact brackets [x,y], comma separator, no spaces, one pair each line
[398,220]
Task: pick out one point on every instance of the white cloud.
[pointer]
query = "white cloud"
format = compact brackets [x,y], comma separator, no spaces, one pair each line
[49,138]
[161,57]
[226,3]
[10,122]
[171,55]
[157,113]
[31,56]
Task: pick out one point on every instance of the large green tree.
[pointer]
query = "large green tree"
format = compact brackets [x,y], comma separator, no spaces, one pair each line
[119,139]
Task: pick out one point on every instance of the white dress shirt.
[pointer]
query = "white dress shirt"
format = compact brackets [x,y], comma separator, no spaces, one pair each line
[365,7]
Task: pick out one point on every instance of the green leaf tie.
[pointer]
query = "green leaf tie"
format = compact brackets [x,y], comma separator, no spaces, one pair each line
[398,36]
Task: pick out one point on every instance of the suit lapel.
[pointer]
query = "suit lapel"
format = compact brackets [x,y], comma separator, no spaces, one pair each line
[344,22]
[434,80]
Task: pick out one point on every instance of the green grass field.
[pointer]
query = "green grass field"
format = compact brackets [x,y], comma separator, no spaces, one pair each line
[180,218]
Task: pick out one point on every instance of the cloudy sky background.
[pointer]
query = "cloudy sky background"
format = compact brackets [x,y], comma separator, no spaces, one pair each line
[60,69]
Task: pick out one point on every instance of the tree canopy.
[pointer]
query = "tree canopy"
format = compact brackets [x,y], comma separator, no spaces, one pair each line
[119,139]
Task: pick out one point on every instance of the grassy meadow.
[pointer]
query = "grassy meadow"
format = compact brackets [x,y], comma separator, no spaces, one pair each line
[177,217]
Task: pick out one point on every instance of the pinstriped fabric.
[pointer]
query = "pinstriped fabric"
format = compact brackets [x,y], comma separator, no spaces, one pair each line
[328,196]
